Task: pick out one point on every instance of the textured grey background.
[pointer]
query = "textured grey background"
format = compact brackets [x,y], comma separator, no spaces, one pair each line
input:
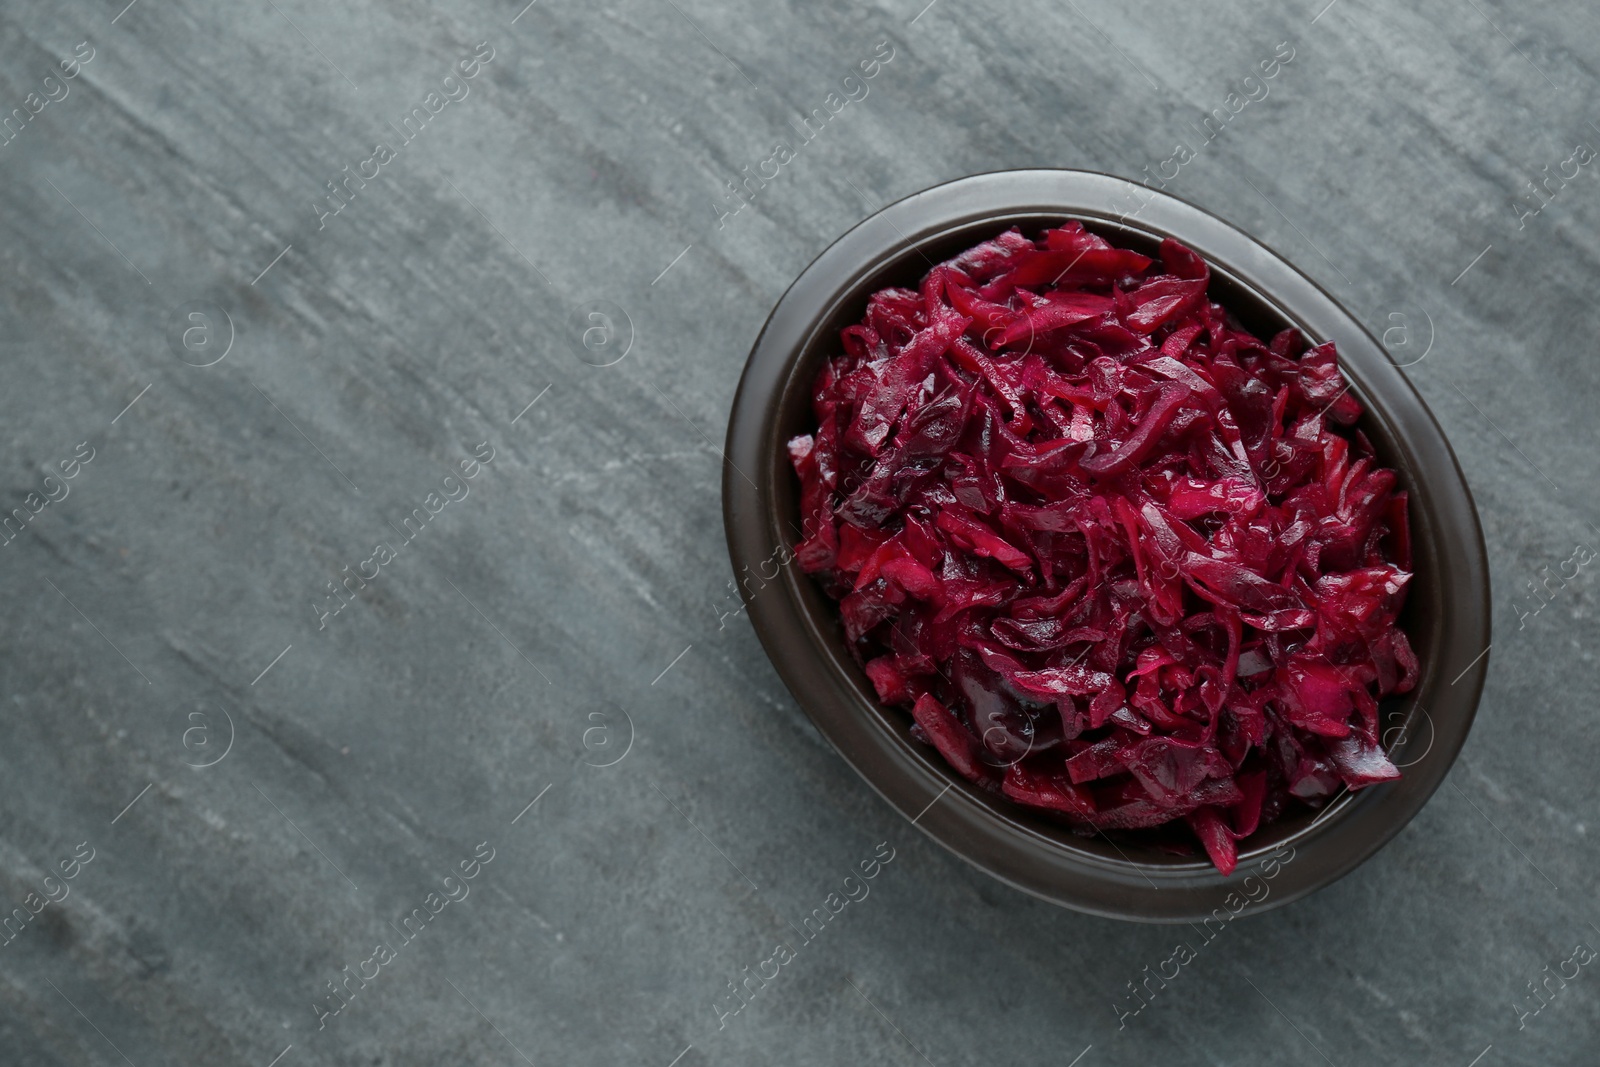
[510,644]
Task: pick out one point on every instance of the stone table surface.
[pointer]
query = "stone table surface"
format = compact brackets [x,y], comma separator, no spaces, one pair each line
[252,791]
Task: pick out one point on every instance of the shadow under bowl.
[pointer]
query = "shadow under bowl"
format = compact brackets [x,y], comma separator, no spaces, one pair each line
[1446,616]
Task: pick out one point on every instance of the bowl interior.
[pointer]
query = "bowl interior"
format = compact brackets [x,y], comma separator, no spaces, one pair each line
[1406,730]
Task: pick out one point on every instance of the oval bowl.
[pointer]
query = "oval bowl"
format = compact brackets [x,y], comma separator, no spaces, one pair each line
[1446,616]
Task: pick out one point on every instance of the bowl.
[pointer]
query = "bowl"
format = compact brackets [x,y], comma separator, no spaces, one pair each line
[1446,615]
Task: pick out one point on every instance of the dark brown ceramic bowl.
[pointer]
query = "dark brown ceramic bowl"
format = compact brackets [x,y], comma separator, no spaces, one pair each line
[1446,617]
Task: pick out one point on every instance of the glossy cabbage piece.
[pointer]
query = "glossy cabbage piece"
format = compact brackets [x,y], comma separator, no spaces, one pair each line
[1124,563]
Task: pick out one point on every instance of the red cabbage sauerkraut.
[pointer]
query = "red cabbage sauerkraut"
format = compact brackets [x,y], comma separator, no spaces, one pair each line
[1123,561]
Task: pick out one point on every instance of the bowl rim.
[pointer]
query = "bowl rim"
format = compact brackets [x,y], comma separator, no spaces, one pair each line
[996,837]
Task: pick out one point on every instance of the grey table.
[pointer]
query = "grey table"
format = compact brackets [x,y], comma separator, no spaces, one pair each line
[278,275]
